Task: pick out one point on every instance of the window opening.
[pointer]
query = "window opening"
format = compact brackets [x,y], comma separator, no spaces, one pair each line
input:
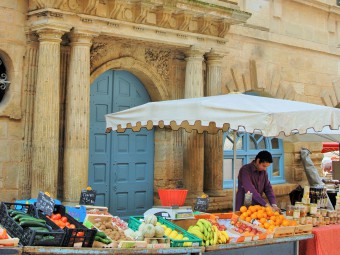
[4,83]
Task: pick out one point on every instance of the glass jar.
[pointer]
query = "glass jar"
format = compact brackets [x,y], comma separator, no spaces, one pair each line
[327,220]
[303,211]
[309,220]
[313,209]
[296,213]
[289,210]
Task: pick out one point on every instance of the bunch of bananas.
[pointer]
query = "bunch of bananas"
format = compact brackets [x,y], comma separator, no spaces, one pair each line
[209,233]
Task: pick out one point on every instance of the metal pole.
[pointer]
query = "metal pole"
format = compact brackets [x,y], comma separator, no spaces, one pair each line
[234,171]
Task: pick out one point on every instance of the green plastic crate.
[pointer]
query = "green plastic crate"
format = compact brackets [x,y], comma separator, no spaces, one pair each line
[135,221]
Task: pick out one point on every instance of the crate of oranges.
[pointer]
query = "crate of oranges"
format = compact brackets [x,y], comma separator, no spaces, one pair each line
[264,217]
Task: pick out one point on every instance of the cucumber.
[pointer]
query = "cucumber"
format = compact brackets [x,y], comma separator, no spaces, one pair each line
[15,212]
[32,223]
[40,229]
[32,219]
[102,240]
[101,234]
[19,216]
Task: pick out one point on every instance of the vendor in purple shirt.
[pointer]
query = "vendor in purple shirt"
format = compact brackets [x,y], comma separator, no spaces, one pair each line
[253,177]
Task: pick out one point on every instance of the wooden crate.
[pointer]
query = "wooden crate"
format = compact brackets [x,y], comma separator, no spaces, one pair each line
[303,229]
[284,231]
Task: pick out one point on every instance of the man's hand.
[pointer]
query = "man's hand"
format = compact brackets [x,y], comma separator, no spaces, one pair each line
[276,208]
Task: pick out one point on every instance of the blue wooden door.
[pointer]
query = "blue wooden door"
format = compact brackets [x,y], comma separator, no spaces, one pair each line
[120,164]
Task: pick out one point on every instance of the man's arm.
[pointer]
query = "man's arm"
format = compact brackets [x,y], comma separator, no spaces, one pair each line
[268,190]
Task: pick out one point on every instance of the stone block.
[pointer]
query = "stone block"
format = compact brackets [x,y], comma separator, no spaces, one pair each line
[15,130]
[3,129]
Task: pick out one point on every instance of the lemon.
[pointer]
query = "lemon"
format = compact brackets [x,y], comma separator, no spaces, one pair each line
[179,237]
[167,231]
[173,234]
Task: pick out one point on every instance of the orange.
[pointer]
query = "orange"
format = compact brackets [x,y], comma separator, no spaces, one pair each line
[242,217]
[254,215]
[285,223]
[263,220]
[248,219]
[245,214]
[266,225]
[243,209]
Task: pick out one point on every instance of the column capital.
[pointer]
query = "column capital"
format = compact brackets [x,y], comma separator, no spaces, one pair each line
[52,33]
[195,52]
[215,55]
[82,37]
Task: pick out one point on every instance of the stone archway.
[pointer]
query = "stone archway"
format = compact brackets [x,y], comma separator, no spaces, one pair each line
[264,80]
[152,81]
[331,97]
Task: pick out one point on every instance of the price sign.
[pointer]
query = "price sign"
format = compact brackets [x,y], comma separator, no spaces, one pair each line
[45,203]
[87,197]
[201,204]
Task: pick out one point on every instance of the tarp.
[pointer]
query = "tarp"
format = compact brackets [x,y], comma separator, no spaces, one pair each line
[269,116]
[328,147]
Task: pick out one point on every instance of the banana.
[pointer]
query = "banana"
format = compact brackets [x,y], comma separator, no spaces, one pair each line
[206,223]
[215,238]
[206,232]
[196,233]
[225,235]
[200,225]
[207,243]
[196,228]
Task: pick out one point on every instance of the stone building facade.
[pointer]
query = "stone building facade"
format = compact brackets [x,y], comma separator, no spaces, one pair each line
[53,50]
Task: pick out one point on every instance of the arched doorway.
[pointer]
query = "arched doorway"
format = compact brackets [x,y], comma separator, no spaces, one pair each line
[121,166]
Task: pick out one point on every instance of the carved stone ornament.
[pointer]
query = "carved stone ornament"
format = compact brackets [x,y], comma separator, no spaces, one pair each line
[160,59]
[201,17]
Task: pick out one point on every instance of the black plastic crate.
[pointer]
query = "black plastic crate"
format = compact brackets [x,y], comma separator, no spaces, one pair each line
[75,236]
[26,235]
[13,228]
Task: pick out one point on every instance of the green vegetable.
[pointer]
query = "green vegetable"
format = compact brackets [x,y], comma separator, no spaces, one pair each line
[40,229]
[31,223]
[32,219]
[102,240]
[15,212]
[101,234]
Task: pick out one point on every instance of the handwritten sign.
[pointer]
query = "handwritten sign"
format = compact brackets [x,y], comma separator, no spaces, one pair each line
[201,204]
[45,203]
[87,197]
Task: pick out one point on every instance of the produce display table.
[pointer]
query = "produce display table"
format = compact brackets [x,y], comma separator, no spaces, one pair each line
[325,241]
[100,251]
[278,246]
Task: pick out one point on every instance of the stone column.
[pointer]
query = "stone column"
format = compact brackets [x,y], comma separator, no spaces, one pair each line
[46,114]
[77,117]
[193,143]
[30,74]
[213,143]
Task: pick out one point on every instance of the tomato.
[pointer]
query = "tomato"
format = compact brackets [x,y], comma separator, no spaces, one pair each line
[61,224]
[72,226]
[80,234]
[58,216]
[67,224]
[54,217]
[64,219]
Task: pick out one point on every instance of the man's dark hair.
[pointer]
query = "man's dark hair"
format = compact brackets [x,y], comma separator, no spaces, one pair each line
[264,156]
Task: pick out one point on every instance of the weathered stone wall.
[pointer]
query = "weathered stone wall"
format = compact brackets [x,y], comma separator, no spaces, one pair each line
[12,52]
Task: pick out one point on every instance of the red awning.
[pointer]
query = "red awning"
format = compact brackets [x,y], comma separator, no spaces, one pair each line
[328,147]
